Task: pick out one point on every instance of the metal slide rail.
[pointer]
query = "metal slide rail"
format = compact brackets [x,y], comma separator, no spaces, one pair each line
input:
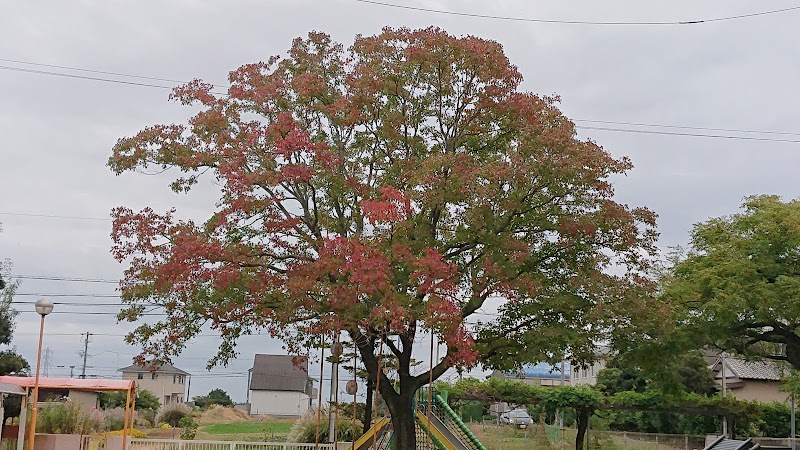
[450,419]
[453,421]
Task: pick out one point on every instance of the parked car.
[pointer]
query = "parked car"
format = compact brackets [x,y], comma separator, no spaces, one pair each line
[519,418]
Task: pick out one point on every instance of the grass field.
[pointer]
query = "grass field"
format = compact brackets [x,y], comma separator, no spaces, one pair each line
[251,430]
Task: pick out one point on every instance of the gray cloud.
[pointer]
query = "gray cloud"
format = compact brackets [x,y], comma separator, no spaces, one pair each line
[57,132]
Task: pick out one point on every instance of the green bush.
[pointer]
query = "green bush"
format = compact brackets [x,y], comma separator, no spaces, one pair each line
[189,427]
[66,418]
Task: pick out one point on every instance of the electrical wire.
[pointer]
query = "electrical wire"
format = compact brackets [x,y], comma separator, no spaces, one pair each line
[51,216]
[687,127]
[85,77]
[67,295]
[579,22]
[80,69]
[677,133]
[54,278]
[621,130]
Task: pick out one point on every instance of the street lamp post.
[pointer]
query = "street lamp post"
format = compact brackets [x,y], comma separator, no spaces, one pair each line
[336,351]
[44,307]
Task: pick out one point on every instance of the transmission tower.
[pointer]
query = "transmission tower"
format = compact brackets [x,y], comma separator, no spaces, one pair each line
[47,361]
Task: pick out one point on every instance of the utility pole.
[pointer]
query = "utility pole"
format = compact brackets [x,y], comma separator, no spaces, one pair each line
[724,418]
[560,412]
[85,352]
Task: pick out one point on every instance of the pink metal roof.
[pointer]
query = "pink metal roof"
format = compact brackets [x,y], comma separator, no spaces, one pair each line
[78,384]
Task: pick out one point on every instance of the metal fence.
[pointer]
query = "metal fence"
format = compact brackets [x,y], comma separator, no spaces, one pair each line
[503,437]
[171,444]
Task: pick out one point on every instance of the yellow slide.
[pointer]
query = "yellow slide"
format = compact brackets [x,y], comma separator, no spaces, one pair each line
[441,432]
[372,436]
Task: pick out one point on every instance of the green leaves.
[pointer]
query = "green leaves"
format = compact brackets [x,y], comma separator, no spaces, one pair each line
[738,286]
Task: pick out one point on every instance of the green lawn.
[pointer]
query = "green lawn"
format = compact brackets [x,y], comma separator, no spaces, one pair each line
[247,428]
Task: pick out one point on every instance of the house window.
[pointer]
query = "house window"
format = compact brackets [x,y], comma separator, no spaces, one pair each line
[154,376]
[174,379]
[592,369]
[140,376]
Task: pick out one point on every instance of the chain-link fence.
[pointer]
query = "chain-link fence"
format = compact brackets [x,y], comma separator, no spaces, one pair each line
[541,437]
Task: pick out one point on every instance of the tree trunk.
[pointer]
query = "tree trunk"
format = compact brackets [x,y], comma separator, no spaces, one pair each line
[402,415]
[583,424]
[368,409]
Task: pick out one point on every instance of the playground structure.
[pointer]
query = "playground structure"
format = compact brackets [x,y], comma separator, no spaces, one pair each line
[438,426]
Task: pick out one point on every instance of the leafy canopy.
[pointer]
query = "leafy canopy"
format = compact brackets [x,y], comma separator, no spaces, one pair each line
[384,190]
[738,285]
[145,400]
[214,397]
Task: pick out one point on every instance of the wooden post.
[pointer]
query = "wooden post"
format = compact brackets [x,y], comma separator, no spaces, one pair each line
[23,419]
[125,420]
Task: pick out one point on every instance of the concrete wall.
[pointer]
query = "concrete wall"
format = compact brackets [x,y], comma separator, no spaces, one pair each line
[86,400]
[57,442]
[278,403]
[167,387]
[760,390]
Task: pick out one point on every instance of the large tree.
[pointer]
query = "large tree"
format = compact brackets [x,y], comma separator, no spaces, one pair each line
[384,191]
[738,285]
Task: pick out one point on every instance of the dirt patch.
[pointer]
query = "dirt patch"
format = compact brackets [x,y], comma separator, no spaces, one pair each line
[221,414]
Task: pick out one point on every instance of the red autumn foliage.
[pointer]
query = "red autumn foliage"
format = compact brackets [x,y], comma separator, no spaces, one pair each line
[385,191]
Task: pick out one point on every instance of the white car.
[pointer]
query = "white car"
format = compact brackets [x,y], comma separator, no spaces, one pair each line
[519,418]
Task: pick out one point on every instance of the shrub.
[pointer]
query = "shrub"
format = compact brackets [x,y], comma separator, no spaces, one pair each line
[189,427]
[173,413]
[113,419]
[133,432]
[305,428]
[66,418]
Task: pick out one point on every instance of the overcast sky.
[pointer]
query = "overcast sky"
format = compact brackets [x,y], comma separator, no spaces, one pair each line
[56,132]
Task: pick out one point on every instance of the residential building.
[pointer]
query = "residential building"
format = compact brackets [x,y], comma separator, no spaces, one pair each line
[167,382]
[750,380]
[588,374]
[280,386]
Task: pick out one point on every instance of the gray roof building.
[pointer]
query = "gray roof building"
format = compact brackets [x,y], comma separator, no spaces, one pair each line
[281,373]
[164,368]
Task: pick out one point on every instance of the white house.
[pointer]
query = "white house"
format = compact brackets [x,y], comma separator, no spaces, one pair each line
[588,374]
[280,386]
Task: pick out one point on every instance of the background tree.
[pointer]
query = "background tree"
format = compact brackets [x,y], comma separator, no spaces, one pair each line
[385,191]
[145,400]
[214,397]
[737,286]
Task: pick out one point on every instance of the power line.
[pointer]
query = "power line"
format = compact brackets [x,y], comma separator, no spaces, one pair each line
[84,77]
[677,133]
[102,72]
[620,130]
[52,216]
[67,295]
[79,69]
[71,304]
[579,22]
[54,278]
[686,127]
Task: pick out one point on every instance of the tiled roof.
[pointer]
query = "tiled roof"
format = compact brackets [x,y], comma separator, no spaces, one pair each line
[164,368]
[280,373]
[754,370]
